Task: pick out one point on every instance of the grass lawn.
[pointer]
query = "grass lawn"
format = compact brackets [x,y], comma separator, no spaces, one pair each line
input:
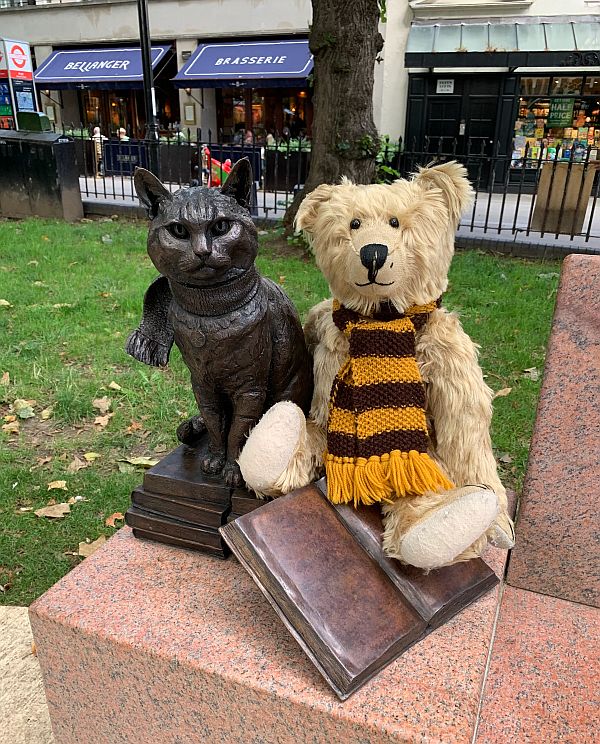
[74,292]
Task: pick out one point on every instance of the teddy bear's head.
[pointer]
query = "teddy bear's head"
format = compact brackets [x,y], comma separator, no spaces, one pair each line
[387,242]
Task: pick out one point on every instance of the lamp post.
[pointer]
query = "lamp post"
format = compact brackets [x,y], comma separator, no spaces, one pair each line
[149,97]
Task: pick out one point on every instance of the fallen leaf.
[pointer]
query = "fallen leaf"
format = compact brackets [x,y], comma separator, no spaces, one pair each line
[507,459]
[5,303]
[47,413]
[60,305]
[45,237]
[502,393]
[87,548]
[39,284]
[75,500]
[91,456]
[114,385]
[102,404]
[102,421]
[106,239]
[10,418]
[12,428]
[76,465]
[54,511]
[58,485]
[160,448]
[23,408]
[531,373]
[134,426]
[33,649]
[142,462]
[116,517]
[24,509]
[5,379]
[33,263]
[125,467]
[105,294]
[282,279]
[550,275]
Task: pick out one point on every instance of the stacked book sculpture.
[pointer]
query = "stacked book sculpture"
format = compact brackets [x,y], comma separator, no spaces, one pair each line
[180,505]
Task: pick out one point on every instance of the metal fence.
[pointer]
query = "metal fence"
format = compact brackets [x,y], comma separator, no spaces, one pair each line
[538,194]
[535,195]
[106,164]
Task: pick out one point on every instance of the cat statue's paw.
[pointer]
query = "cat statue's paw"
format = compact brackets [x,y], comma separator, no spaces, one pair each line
[232,475]
[191,431]
[212,462]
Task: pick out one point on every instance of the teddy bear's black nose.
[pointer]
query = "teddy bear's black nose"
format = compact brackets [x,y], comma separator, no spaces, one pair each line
[372,257]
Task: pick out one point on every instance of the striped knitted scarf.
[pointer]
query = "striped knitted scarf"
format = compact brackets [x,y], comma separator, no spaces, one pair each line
[377,431]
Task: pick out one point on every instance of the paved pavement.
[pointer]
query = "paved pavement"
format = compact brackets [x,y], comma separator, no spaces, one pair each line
[24,715]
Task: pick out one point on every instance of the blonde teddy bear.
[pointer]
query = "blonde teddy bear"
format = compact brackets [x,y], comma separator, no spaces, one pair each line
[400,414]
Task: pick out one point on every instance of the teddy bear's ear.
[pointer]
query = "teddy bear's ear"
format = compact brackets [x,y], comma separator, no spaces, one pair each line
[451,179]
[308,210]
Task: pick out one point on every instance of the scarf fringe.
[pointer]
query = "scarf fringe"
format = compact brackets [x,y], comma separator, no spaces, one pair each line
[384,478]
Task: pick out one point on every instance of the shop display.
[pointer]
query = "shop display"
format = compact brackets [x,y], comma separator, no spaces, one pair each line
[557,127]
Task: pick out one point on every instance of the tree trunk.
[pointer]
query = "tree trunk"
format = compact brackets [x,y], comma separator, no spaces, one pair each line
[345,41]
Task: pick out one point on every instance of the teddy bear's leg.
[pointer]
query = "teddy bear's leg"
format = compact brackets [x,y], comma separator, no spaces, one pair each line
[438,529]
[282,452]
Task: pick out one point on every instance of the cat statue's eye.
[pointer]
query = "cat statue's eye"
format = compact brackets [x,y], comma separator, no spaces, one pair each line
[220,227]
[178,231]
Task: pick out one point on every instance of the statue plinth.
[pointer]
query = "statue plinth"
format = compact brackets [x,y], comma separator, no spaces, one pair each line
[180,505]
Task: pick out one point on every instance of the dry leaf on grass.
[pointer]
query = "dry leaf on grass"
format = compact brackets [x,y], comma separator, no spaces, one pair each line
[531,373]
[58,485]
[76,465]
[46,413]
[5,379]
[23,408]
[114,385]
[102,404]
[5,303]
[141,462]
[54,511]
[134,426]
[125,467]
[116,517]
[10,418]
[12,428]
[507,459]
[502,393]
[87,548]
[102,421]
[91,456]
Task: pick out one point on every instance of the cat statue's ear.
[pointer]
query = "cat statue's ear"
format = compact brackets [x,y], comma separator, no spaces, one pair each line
[149,190]
[239,183]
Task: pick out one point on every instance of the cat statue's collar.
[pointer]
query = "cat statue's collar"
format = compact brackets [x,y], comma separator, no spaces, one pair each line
[217,300]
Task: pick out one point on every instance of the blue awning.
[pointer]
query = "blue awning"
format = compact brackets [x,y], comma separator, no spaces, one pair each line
[247,64]
[96,68]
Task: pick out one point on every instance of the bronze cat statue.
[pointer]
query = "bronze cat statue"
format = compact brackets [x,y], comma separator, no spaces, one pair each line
[239,333]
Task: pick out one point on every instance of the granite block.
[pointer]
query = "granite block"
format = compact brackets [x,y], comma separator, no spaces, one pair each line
[558,540]
[543,683]
[148,643]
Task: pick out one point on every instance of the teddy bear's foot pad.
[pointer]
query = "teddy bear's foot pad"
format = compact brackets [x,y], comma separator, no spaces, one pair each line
[271,447]
[449,530]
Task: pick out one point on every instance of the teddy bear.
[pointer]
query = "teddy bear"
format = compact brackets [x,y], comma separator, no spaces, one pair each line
[400,413]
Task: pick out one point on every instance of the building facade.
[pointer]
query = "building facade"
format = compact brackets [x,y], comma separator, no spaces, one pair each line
[505,73]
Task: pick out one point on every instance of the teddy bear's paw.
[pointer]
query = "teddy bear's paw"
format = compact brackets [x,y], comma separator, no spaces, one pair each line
[502,532]
[443,534]
[272,447]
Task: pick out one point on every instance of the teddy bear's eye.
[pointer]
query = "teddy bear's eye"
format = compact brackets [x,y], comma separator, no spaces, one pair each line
[355,224]
[394,222]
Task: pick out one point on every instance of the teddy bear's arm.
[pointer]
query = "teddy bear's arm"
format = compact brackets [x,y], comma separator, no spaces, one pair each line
[460,403]
[329,348]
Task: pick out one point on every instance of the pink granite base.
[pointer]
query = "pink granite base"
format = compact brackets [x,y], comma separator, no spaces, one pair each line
[544,678]
[558,540]
[147,643]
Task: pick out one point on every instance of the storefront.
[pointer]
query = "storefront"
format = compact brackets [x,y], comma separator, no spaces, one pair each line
[260,87]
[103,87]
[524,90]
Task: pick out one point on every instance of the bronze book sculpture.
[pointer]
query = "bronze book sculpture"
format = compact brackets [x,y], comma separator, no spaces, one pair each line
[352,609]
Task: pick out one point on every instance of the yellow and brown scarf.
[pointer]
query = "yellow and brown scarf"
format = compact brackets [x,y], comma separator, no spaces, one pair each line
[377,435]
